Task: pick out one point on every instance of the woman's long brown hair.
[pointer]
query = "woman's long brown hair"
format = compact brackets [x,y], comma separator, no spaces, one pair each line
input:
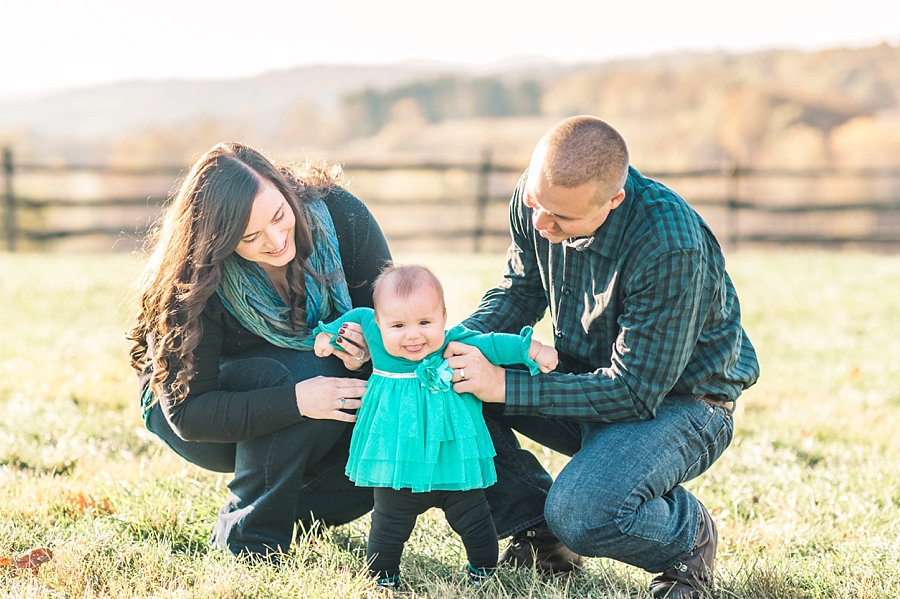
[202,225]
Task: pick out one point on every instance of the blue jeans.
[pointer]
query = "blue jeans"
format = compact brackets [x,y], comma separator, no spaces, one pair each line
[620,496]
[292,475]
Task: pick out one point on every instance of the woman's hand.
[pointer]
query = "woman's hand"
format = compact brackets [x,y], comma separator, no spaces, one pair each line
[323,398]
[356,350]
[473,373]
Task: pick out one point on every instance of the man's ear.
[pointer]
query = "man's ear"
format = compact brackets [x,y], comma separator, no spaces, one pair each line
[617,200]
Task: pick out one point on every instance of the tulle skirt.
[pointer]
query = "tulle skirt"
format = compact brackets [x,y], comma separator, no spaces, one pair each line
[407,437]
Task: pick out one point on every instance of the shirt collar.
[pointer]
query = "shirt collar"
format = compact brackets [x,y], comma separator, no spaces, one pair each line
[579,244]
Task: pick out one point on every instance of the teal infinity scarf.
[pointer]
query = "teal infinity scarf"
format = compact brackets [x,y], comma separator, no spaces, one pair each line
[249,295]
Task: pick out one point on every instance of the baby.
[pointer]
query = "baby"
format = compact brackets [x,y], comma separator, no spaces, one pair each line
[416,440]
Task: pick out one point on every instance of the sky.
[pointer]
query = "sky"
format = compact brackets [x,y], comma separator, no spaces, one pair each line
[52,44]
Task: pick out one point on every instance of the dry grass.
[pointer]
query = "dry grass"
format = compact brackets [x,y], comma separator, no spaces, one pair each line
[806,499]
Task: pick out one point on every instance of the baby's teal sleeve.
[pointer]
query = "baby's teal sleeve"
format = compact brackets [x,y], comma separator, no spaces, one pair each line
[504,349]
[332,328]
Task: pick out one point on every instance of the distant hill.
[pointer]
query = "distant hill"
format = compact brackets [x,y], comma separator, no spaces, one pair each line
[834,108]
[128,106]
[838,107]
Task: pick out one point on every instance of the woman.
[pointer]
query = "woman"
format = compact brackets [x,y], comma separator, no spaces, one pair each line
[248,258]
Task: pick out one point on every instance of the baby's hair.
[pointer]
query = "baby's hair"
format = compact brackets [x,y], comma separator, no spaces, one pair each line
[404,280]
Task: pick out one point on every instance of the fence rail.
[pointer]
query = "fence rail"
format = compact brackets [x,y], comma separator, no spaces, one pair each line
[731,201]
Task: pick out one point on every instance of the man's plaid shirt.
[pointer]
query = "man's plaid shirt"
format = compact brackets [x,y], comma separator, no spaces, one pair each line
[642,309]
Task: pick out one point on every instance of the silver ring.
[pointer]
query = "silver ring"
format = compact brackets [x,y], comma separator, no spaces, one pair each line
[343,401]
[462,374]
[361,357]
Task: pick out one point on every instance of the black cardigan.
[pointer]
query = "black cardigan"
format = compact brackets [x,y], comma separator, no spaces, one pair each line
[208,413]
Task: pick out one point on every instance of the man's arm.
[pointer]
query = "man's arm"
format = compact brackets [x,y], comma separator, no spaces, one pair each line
[664,306]
[519,300]
[663,309]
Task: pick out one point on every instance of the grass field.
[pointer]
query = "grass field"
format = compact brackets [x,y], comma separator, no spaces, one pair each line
[806,499]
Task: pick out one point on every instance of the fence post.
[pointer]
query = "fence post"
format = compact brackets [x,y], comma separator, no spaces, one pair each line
[482,198]
[732,174]
[10,200]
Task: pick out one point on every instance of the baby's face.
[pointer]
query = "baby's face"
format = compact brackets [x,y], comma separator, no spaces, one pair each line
[412,327]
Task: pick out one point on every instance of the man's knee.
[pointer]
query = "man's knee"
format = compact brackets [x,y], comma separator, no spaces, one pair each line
[582,520]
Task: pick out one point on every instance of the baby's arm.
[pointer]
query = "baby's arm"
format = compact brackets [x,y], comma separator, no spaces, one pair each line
[545,355]
[503,349]
[326,334]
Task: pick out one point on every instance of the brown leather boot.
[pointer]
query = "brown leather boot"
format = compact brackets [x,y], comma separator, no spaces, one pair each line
[695,570]
[537,545]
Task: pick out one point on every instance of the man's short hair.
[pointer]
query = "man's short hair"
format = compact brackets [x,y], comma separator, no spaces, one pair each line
[584,149]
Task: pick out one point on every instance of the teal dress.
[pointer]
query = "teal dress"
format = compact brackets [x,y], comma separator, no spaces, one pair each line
[413,430]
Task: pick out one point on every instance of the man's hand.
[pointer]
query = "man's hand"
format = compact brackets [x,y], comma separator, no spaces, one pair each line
[473,373]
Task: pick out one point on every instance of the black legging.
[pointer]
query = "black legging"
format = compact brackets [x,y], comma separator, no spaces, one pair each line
[394,517]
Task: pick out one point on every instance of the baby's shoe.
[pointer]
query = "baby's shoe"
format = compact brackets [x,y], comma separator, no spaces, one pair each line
[478,576]
[388,582]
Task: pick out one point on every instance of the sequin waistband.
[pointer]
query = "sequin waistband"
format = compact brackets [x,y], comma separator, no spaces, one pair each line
[394,375]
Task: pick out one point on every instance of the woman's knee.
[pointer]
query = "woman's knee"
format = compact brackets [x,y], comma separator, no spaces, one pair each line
[253,373]
[218,457]
[266,367]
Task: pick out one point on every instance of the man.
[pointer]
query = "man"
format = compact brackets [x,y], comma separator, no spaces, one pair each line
[652,360]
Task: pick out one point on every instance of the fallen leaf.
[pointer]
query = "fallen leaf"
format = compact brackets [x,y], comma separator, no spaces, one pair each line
[86,502]
[31,559]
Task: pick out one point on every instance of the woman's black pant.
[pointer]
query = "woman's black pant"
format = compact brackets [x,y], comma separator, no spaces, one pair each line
[394,517]
[292,475]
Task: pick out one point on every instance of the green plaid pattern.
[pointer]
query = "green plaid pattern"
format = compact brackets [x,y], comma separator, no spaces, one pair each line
[642,309]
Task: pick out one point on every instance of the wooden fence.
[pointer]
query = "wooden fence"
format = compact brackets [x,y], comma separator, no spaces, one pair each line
[820,207]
